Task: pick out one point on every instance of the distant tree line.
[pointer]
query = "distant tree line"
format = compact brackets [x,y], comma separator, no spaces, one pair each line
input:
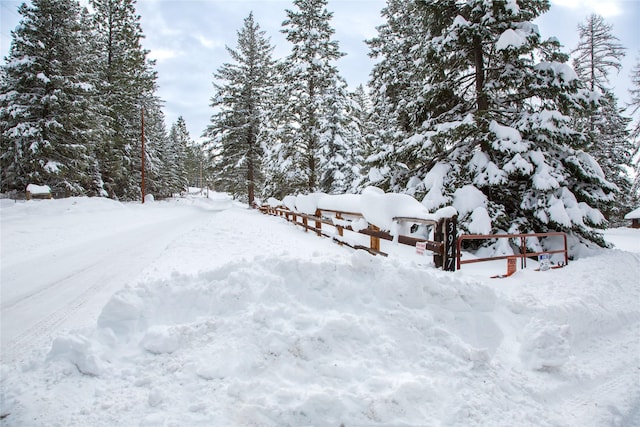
[73,91]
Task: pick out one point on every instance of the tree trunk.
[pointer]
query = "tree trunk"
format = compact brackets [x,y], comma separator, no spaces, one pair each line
[250,171]
[478,57]
[311,143]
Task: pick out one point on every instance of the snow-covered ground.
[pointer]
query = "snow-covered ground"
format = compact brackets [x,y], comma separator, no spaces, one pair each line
[198,311]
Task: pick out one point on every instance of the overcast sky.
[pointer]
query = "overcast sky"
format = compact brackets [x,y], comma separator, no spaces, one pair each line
[188,38]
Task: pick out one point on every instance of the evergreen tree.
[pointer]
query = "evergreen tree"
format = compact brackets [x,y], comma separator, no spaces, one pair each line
[197,166]
[279,170]
[361,121]
[339,142]
[237,128]
[598,53]
[127,85]
[160,167]
[487,112]
[310,121]
[179,143]
[46,112]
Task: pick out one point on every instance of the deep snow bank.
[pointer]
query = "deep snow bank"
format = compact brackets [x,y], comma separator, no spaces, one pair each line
[289,341]
[361,341]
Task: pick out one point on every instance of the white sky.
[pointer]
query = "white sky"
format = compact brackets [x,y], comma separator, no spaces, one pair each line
[187,37]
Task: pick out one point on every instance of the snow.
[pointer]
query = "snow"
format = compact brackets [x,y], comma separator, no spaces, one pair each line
[488,171]
[273,202]
[469,199]
[511,39]
[561,69]
[512,6]
[376,175]
[341,202]
[42,77]
[508,138]
[308,203]
[377,207]
[38,189]
[634,214]
[434,183]
[179,313]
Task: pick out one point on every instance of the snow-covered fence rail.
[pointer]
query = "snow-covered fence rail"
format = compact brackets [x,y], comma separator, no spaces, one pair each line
[375,214]
[38,192]
[523,255]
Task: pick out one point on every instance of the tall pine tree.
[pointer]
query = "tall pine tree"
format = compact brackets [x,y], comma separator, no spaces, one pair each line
[127,85]
[487,112]
[360,114]
[598,54]
[237,128]
[179,143]
[309,135]
[46,111]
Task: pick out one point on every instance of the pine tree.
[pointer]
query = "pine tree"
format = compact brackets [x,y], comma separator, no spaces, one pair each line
[237,128]
[312,86]
[160,169]
[198,166]
[128,84]
[178,144]
[487,111]
[46,113]
[598,53]
[279,170]
[360,114]
[339,142]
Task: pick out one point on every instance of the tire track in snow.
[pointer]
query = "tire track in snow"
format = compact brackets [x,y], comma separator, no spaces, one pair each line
[73,300]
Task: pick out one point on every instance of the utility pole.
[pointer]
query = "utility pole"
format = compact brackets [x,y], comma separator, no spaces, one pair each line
[142,186]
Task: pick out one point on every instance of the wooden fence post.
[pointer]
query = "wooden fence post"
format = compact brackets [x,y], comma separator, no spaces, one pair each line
[375,240]
[318,223]
[438,236]
[340,229]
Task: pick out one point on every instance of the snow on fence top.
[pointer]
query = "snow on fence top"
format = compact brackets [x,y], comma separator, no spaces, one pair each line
[376,206]
[38,189]
[634,214]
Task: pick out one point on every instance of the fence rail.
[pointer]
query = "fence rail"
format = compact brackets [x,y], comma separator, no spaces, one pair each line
[523,255]
[444,253]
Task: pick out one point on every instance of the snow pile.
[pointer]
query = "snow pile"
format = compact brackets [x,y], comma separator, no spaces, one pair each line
[273,202]
[342,202]
[289,341]
[308,203]
[38,189]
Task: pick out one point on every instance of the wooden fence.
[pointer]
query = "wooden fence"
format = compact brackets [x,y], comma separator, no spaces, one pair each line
[443,246]
[523,255]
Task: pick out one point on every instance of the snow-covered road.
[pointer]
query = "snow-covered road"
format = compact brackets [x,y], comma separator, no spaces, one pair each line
[61,277]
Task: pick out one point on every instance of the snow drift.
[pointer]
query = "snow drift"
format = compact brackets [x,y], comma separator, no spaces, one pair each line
[287,341]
